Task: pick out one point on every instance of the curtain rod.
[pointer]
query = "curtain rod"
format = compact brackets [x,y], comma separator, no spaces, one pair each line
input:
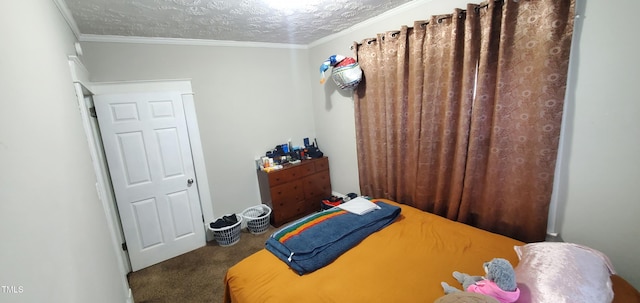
[443,17]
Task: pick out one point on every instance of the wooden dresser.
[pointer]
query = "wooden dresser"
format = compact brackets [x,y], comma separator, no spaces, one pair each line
[296,190]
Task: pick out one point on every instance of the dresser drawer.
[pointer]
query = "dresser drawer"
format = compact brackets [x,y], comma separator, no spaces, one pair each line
[321,164]
[289,212]
[287,193]
[307,168]
[317,185]
[283,176]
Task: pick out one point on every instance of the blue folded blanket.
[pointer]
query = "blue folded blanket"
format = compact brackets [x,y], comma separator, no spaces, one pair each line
[316,240]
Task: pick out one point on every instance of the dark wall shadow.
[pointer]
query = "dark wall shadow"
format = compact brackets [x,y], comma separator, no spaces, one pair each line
[330,87]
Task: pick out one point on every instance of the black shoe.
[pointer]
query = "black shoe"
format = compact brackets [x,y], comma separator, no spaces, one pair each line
[220,223]
[230,219]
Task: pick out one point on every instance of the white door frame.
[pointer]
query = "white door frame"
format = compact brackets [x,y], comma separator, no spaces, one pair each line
[80,77]
[84,87]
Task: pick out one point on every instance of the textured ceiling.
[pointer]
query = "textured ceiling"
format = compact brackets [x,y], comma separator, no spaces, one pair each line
[235,20]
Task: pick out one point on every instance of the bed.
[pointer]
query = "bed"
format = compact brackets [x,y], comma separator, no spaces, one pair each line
[406,261]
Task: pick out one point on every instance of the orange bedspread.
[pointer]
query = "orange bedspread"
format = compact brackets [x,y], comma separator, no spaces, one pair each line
[404,262]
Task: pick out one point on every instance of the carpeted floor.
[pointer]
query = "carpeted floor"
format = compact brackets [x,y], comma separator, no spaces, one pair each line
[196,276]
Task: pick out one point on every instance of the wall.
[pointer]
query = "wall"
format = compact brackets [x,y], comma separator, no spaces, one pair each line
[55,243]
[599,192]
[599,168]
[248,100]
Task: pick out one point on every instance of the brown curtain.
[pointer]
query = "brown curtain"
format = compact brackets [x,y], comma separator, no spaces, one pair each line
[460,115]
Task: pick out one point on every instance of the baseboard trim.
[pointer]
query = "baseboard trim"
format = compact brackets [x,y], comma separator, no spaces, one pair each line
[553,237]
[130,297]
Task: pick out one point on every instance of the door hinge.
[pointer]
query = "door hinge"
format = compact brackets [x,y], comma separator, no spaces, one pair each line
[202,218]
[124,246]
[92,112]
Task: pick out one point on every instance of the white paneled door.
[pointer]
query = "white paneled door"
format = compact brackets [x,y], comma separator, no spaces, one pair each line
[149,155]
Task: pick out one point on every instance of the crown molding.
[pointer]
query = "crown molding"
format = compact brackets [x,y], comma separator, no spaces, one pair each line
[68,17]
[180,41]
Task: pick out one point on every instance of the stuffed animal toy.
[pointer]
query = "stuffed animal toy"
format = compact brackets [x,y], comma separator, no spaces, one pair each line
[500,282]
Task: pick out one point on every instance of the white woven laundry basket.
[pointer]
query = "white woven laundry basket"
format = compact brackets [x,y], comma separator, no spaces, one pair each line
[228,235]
[257,218]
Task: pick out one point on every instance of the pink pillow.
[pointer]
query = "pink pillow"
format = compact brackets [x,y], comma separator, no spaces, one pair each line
[556,272]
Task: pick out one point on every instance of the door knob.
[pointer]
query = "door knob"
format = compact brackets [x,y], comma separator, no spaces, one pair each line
[189,181]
